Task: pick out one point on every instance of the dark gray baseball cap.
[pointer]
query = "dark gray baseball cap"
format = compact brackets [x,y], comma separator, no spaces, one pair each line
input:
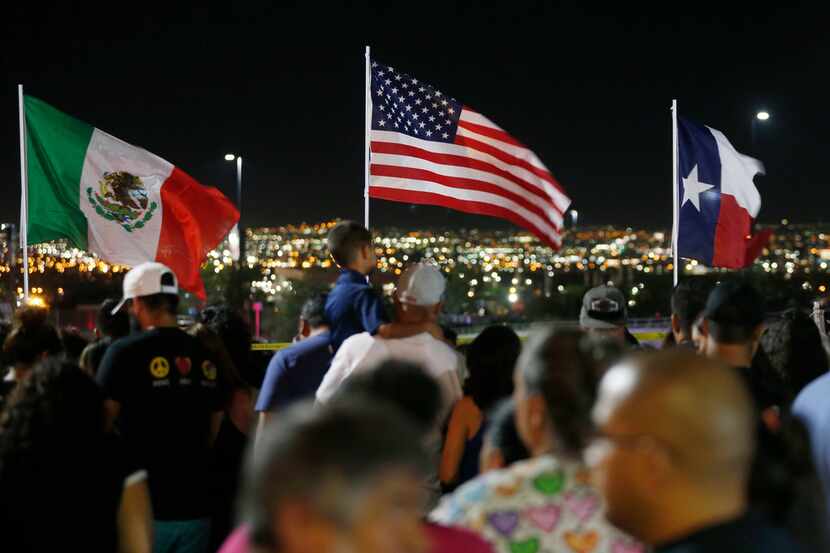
[603,308]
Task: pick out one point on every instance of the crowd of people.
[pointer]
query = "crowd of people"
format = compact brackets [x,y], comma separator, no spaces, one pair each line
[375,434]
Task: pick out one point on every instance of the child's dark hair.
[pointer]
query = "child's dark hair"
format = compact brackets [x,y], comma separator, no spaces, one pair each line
[345,241]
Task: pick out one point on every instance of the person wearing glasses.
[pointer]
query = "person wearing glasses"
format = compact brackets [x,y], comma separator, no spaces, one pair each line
[545,503]
[673,455]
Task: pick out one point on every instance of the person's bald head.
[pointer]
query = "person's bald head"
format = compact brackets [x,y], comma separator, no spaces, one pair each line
[673,424]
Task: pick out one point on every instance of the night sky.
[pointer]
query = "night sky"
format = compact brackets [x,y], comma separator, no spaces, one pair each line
[589,93]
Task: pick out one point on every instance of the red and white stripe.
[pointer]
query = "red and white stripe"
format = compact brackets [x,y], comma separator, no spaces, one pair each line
[485,171]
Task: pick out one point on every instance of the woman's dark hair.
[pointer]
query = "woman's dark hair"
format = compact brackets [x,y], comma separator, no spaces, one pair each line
[784,486]
[502,433]
[236,335]
[30,337]
[564,366]
[57,410]
[794,350]
[491,359]
[73,343]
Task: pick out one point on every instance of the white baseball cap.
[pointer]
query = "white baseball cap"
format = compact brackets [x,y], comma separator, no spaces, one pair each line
[421,284]
[145,280]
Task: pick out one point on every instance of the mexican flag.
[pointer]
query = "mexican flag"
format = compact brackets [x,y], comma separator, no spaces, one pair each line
[116,200]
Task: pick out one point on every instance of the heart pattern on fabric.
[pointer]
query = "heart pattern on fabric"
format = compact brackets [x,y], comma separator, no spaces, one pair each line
[544,518]
[582,542]
[623,546]
[583,506]
[507,490]
[505,522]
[527,546]
[550,483]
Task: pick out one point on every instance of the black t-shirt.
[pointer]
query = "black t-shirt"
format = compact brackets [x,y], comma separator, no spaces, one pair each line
[168,389]
[64,499]
[748,534]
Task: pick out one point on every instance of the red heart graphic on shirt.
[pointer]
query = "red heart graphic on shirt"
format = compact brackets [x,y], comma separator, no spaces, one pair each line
[183,364]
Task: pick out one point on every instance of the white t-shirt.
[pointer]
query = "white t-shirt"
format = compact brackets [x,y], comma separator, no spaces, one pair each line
[363,352]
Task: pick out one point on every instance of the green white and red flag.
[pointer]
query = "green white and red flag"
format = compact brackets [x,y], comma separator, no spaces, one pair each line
[119,201]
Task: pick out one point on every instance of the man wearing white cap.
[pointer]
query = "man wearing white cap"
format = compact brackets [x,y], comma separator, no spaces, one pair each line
[418,299]
[167,397]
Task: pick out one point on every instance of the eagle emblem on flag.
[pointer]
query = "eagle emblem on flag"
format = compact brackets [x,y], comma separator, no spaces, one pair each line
[122,197]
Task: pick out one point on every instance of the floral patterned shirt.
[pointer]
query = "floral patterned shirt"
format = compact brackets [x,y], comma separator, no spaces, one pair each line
[543,505]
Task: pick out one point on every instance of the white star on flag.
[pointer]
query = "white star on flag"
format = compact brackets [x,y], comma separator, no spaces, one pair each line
[692,188]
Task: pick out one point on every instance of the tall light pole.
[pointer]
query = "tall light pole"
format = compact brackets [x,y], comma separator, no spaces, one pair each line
[238,228]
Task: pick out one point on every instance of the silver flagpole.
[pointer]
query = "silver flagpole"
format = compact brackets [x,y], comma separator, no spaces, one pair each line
[676,192]
[368,127]
[24,195]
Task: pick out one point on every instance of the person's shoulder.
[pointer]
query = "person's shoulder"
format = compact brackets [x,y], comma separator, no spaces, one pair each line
[439,349]
[466,408]
[814,396]
[359,341]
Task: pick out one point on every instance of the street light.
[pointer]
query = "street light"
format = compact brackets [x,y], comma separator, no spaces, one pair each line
[762,115]
[237,238]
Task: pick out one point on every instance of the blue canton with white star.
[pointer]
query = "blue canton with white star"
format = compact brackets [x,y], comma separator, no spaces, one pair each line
[403,104]
[697,226]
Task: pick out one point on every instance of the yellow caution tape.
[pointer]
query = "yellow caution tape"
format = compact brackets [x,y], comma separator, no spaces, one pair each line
[462,341]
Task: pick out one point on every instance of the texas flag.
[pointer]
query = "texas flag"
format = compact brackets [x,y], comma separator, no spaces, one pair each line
[717,198]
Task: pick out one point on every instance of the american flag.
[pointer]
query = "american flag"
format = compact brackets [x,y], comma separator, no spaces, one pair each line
[429,148]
